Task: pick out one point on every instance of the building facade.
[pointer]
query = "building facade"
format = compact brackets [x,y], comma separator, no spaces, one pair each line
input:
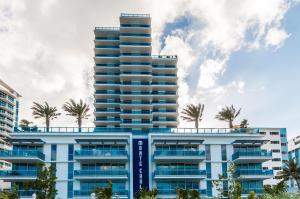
[135,142]
[133,88]
[9,109]
[294,153]
[159,158]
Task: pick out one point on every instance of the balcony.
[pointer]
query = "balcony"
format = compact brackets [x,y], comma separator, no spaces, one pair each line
[253,174]
[134,35]
[108,65]
[108,38]
[164,174]
[135,26]
[107,55]
[101,155]
[87,193]
[163,66]
[173,191]
[101,174]
[242,157]
[18,175]
[107,47]
[179,156]
[24,156]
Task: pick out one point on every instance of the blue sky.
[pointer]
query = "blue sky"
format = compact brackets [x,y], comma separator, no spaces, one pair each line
[244,53]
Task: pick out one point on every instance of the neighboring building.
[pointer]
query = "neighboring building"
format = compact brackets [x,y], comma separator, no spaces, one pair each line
[294,153]
[9,109]
[277,144]
[133,88]
[158,158]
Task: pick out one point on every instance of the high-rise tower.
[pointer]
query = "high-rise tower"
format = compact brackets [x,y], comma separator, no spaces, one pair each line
[133,88]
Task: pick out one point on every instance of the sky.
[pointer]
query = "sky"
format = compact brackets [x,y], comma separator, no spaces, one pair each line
[240,52]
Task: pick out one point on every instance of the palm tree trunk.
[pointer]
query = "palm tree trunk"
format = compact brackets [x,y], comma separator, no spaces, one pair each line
[79,123]
[47,124]
[298,184]
[230,124]
[196,125]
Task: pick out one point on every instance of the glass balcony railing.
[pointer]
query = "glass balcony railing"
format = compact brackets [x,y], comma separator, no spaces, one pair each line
[163,83]
[107,38]
[238,154]
[179,153]
[165,120]
[22,153]
[107,82]
[179,172]
[27,193]
[88,193]
[164,102]
[136,122]
[107,92]
[164,111]
[108,74]
[106,101]
[113,47]
[103,153]
[135,15]
[108,65]
[164,75]
[136,112]
[136,63]
[126,102]
[164,93]
[135,93]
[253,172]
[136,83]
[173,191]
[134,35]
[135,25]
[135,44]
[18,173]
[135,73]
[100,172]
[107,55]
[107,119]
[107,110]
[135,54]
[163,66]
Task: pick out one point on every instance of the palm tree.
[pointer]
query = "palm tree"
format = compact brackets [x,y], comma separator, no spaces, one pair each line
[147,194]
[194,194]
[276,189]
[182,193]
[79,111]
[44,111]
[193,113]
[25,124]
[104,192]
[244,124]
[290,170]
[228,114]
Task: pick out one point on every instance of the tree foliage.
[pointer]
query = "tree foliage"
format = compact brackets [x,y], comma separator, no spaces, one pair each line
[13,194]
[78,110]
[104,192]
[45,183]
[187,194]
[228,114]
[44,111]
[146,194]
[193,113]
[277,189]
[290,170]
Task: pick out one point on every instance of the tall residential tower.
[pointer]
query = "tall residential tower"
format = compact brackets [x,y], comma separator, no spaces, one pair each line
[9,109]
[133,88]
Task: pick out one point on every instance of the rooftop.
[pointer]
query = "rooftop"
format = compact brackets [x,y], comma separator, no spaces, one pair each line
[135,15]
[129,130]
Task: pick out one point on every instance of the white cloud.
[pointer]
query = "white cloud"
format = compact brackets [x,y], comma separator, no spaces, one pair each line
[47,46]
[276,37]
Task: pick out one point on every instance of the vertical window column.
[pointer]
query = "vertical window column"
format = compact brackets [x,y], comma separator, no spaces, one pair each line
[53,155]
[208,170]
[70,170]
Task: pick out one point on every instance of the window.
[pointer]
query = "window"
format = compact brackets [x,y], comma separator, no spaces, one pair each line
[276,168]
[276,159]
[274,142]
[274,133]
[207,152]
[283,144]
[265,168]
[208,170]
[263,133]
[53,152]
[276,151]
[223,151]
